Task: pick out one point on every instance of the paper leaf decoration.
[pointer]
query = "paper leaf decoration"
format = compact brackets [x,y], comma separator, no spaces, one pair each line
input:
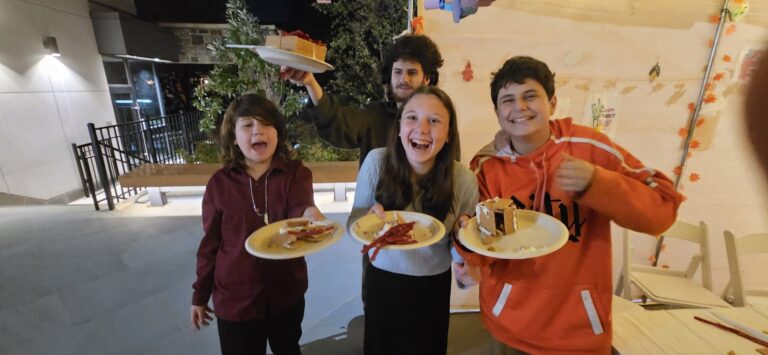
[655,72]
[467,74]
[694,177]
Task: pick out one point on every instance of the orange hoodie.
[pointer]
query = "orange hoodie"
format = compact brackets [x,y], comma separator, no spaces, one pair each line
[561,302]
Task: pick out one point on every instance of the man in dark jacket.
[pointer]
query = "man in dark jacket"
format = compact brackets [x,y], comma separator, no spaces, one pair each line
[410,62]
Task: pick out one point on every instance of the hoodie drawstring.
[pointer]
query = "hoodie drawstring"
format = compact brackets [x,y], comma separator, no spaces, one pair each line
[541,183]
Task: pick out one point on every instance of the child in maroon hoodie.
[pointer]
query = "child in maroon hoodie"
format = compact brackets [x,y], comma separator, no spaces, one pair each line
[256,300]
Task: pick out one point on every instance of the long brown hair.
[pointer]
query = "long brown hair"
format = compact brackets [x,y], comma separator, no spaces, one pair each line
[394,190]
[260,108]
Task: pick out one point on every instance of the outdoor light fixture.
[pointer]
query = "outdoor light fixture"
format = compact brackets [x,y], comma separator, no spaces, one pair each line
[49,43]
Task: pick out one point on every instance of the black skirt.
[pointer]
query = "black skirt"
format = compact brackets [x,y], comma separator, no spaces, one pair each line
[406,314]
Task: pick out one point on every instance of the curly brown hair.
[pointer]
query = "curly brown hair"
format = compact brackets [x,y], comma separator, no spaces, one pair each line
[260,108]
[418,48]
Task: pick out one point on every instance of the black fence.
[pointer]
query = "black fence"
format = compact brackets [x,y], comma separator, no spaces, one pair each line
[117,149]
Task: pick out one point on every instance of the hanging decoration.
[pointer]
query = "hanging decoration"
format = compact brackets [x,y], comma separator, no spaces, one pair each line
[458,8]
[655,72]
[740,9]
[417,25]
[602,108]
[467,74]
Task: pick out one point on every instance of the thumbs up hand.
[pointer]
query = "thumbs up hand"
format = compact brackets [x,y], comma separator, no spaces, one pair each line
[574,175]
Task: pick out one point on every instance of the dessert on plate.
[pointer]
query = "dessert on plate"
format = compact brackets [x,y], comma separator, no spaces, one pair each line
[496,217]
[298,42]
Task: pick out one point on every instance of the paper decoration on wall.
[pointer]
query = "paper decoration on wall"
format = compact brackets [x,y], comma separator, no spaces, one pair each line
[727,58]
[655,72]
[467,73]
[602,111]
[417,25]
[694,177]
[458,8]
[739,9]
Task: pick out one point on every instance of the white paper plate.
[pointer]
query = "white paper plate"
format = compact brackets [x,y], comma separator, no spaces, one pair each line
[257,243]
[427,230]
[538,230]
[287,58]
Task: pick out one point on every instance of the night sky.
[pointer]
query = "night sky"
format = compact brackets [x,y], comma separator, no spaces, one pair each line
[288,15]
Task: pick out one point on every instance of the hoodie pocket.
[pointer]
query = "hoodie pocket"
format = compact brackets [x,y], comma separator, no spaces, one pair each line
[568,318]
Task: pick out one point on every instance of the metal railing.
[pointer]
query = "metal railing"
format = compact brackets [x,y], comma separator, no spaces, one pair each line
[117,149]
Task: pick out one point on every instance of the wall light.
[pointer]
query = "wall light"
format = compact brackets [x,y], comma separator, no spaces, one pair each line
[49,43]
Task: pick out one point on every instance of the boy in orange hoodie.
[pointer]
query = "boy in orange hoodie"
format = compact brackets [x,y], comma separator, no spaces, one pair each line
[560,302]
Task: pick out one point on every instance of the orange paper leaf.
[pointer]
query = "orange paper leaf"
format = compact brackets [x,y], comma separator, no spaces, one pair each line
[689,155]
[714,18]
[700,121]
[730,29]
[682,132]
[718,76]
[694,144]
[710,98]
[691,106]
[727,58]
[694,177]
[677,170]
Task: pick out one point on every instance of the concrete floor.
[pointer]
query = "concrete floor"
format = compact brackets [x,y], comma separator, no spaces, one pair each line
[78,281]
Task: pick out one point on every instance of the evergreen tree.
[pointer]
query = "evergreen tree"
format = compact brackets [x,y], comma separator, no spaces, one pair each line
[359,30]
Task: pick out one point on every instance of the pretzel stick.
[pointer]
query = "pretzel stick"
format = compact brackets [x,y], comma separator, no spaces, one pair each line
[732,330]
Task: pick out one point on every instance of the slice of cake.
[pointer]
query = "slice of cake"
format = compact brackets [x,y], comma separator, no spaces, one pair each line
[298,42]
[496,217]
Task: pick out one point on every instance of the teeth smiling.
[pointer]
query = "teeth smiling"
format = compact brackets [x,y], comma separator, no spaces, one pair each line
[521,119]
[419,144]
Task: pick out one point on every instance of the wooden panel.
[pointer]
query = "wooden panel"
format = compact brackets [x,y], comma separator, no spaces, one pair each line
[158,175]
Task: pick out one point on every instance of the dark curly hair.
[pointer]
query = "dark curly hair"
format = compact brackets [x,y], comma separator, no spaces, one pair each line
[416,48]
[517,70]
[259,107]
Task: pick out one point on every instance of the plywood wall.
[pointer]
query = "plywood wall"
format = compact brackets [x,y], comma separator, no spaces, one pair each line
[608,48]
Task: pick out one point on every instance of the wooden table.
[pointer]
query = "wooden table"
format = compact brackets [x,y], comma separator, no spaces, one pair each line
[676,332]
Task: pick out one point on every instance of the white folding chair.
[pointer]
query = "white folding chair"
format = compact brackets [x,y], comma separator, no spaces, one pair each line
[675,287]
[735,248]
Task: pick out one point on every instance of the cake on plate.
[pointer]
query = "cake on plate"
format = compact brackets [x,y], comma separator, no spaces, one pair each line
[496,217]
[298,42]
